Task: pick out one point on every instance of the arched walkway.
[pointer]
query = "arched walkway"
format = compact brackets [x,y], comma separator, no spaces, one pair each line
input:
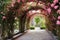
[36,34]
[15,19]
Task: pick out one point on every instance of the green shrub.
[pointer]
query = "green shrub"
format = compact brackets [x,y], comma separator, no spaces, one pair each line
[43,27]
[32,28]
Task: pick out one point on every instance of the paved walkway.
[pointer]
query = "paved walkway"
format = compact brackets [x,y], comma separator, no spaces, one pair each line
[36,35]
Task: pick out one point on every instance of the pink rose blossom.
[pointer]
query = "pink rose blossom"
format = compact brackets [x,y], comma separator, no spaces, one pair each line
[55,1]
[52,5]
[58,22]
[4,17]
[12,5]
[18,1]
[49,10]
[55,7]
[58,17]
[58,11]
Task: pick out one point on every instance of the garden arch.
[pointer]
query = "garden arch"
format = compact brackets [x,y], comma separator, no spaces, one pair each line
[23,11]
[19,9]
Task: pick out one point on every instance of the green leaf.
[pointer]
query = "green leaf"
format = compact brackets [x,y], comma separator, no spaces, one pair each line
[51,1]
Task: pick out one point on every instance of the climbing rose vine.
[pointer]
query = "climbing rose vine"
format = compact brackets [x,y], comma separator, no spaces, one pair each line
[55,5]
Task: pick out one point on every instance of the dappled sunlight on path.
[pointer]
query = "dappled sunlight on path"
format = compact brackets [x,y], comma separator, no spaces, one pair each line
[36,34]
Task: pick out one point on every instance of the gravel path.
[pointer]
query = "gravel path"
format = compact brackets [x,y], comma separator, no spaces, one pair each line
[36,35]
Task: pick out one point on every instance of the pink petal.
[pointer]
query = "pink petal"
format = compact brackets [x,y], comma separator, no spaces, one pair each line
[58,11]
[18,1]
[12,5]
[55,1]
[58,22]
[52,5]
[4,17]
[58,17]
[55,7]
[49,10]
